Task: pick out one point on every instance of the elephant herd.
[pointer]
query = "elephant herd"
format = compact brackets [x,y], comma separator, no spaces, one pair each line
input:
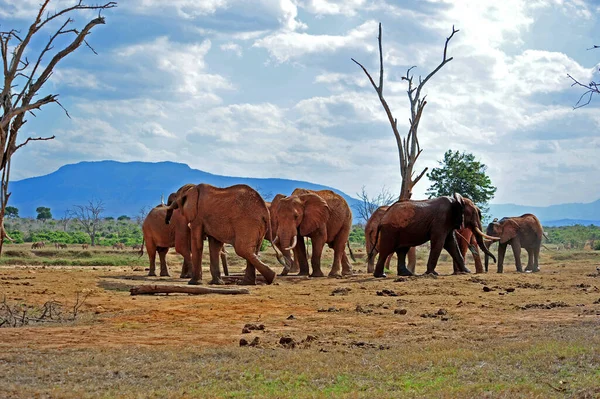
[239,216]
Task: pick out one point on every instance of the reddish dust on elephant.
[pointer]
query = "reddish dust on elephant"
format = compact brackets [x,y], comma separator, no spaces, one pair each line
[325,218]
[235,215]
[411,223]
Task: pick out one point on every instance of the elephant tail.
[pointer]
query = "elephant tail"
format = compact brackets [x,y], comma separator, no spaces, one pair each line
[142,248]
[350,250]
[545,235]
[372,251]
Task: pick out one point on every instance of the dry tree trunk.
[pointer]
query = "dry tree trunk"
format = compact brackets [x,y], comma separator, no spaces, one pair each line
[185,289]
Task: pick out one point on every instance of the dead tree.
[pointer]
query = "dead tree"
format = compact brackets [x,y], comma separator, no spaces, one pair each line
[368,205]
[590,88]
[408,147]
[88,217]
[23,79]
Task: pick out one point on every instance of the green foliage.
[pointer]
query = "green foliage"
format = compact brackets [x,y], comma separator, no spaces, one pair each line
[109,218]
[12,212]
[357,234]
[43,213]
[63,237]
[123,217]
[264,245]
[461,173]
[16,235]
[575,236]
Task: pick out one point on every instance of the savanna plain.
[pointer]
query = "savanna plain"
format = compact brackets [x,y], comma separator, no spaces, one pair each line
[511,335]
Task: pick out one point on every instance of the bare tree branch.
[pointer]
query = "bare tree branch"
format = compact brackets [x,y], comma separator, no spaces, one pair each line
[15,104]
[88,217]
[408,147]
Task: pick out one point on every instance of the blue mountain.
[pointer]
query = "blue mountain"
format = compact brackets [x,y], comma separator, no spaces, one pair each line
[126,187]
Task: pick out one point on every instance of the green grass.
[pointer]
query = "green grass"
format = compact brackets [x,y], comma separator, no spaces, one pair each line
[500,369]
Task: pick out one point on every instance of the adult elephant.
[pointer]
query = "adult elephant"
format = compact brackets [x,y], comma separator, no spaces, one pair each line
[523,231]
[235,215]
[322,215]
[159,237]
[411,223]
[370,236]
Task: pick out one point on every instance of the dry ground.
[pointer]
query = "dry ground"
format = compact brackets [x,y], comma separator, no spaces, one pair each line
[489,335]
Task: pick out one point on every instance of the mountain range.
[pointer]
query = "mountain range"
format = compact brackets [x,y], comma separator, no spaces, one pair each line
[126,187]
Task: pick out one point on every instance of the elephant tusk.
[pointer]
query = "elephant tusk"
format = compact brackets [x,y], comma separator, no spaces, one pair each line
[276,239]
[293,244]
[481,233]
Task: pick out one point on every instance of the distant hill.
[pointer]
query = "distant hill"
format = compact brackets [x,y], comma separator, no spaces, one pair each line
[126,187]
[554,215]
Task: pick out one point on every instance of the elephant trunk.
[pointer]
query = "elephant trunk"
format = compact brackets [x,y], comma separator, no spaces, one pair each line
[286,251]
[479,237]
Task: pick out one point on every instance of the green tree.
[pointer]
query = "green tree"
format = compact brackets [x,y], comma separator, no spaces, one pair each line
[461,173]
[123,217]
[12,212]
[43,213]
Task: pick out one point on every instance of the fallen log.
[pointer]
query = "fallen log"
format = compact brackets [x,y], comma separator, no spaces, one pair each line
[185,289]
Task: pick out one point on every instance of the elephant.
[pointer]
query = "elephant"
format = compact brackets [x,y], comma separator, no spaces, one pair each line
[466,241]
[523,231]
[371,234]
[159,237]
[235,215]
[84,246]
[322,215]
[411,223]
[118,245]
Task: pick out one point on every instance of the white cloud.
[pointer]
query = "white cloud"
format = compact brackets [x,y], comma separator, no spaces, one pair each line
[183,63]
[286,46]
[232,47]
[333,7]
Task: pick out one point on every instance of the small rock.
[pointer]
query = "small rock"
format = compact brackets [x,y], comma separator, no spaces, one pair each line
[510,289]
[445,318]
[442,312]
[400,280]
[291,317]
[243,342]
[386,292]
[310,338]
[287,342]
[486,288]
[400,311]
[340,291]
[245,330]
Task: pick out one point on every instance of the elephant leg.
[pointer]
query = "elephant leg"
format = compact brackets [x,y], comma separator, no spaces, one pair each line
[197,249]
[224,261]
[214,249]
[402,269]
[386,249]
[516,247]
[186,267]
[536,259]
[412,259]
[162,255]
[338,250]
[476,256]
[250,253]
[371,260]
[529,266]
[346,265]
[300,260]
[458,261]
[501,253]
[249,275]
[388,261]
[151,250]
[315,260]
[434,254]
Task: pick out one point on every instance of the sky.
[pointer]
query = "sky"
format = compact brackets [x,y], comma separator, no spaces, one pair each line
[266,88]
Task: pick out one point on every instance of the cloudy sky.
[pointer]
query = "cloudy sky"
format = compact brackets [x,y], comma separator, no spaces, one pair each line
[266,88]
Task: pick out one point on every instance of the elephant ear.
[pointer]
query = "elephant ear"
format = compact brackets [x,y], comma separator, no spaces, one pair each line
[458,211]
[316,213]
[510,229]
